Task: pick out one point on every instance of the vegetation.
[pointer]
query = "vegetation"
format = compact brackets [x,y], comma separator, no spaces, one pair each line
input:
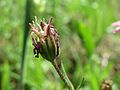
[88,49]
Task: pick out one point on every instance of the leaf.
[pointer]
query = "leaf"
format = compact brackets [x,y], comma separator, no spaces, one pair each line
[86,37]
[81,83]
[5,76]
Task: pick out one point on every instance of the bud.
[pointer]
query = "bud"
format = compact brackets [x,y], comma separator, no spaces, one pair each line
[44,39]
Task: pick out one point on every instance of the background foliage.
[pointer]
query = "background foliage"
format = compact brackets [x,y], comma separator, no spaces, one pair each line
[88,49]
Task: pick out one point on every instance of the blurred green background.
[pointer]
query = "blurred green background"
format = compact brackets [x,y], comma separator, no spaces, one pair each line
[88,48]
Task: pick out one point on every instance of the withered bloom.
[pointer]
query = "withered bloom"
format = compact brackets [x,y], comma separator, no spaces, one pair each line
[106,85]
[44,39]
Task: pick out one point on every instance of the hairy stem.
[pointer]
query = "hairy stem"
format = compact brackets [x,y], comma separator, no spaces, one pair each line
[68,80]
[63,75]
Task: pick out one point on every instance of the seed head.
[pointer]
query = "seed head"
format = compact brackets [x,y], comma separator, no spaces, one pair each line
[44,39]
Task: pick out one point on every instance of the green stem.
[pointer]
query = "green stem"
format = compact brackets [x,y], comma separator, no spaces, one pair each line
[63,75]
[26,31]
[68,80]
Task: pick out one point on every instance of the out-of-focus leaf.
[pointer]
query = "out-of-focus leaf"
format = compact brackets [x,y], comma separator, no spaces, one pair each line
[5,76]
[86,37]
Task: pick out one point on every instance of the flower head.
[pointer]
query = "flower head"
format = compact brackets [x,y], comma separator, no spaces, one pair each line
[117,25]
[45,39]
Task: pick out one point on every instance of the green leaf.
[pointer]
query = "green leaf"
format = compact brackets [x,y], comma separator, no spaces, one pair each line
[86,37]
[81,83]
[5,76]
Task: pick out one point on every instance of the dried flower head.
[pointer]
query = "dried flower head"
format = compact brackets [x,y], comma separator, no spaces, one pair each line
[44,39]
[106,85]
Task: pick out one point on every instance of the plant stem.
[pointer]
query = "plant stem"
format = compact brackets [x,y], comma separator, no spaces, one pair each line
[26,31]
[63,75]
[68,80]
